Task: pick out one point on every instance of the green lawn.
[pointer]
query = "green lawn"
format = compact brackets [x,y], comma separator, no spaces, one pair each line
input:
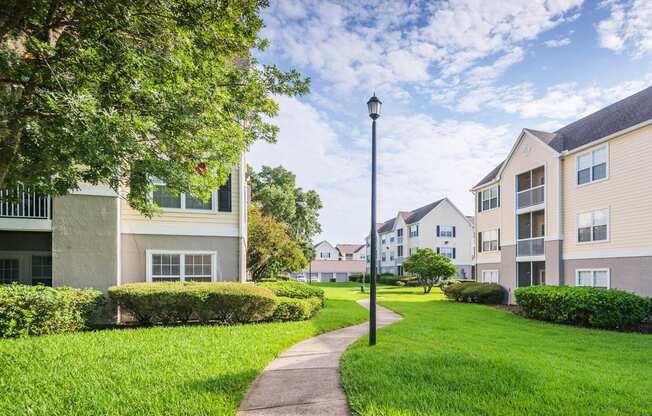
[193,370]
[447,358]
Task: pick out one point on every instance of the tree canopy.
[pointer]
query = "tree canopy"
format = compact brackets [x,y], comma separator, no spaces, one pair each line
[429,267]
[270,250]
[119,92]
[274,190]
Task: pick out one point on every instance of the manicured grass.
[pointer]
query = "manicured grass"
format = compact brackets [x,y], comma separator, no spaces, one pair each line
[192,370]
[448,358]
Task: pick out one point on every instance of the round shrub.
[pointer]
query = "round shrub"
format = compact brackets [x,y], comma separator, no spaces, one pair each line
[585,306]
[296,290]
[388,279]
[37,310]
[475,292]
[291,309]
[171,302]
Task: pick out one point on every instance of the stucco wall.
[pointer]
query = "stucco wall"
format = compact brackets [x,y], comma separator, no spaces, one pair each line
[628,273]
[134,257]
[553,266]
[84,241]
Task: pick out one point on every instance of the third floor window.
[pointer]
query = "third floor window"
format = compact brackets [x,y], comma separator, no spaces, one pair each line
[592,166]
[489,199]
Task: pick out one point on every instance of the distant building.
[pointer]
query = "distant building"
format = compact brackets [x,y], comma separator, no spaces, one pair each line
[334,262]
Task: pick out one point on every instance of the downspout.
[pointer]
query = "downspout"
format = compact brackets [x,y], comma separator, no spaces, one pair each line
[242,223]
[560,219]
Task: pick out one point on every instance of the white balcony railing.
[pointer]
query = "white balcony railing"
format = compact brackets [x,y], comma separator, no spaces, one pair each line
[531,197]
[21,203]
[530,247]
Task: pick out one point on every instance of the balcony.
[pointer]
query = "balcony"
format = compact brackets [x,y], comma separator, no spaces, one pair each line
[531,197]
[530,247]
[399,240]
[21,209]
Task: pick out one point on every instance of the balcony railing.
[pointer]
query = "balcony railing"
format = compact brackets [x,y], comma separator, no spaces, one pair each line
[530,247]
[22,203]
[531,197]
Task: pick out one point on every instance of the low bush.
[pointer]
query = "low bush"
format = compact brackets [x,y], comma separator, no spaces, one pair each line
[357,277]
[585,306]
[293,309]
[37,310]
[180,302]
[388,279]
[296,290]
[475,292]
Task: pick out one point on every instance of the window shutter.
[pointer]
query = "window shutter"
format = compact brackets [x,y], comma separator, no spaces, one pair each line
[480,242]
[437,250]
[437,231]
[499,239]
[499,195]
[478,198]
[453,231]
[454,252]
[224,197]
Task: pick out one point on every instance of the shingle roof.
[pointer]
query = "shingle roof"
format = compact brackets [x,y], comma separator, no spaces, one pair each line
[491,175]
[417,214]
[618,116]
[348,248]
[387,226]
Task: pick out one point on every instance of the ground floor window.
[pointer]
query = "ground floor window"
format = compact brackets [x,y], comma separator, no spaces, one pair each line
[166,266]
[531,273]
[42,270]
[600,278]
[490,276]
[9,270]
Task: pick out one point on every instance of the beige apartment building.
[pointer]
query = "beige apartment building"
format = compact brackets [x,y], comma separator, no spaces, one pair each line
[572,207]
[92,238]
[440,226]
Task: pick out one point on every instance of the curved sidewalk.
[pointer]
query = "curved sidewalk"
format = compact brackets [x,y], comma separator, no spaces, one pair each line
[305,379]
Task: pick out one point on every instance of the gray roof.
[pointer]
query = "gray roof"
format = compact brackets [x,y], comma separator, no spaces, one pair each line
[387,226]
[415,215]
[621,115]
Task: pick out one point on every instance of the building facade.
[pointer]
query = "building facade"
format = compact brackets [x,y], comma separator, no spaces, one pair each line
[333,263]
[93,238]
[572,207]
[440,226]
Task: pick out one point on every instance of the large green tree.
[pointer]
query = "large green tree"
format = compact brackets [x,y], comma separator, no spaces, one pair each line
[429,267]
[274,190]
[270,250]
[118,92]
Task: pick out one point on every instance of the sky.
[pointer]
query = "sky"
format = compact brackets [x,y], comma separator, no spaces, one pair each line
[458,79]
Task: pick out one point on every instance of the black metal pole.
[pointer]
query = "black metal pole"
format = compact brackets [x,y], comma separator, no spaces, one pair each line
[372,283]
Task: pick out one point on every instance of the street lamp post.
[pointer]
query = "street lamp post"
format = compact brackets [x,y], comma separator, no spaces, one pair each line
[373,105]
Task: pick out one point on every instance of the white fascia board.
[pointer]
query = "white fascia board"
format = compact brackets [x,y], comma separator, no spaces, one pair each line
[25,224]
[189,229]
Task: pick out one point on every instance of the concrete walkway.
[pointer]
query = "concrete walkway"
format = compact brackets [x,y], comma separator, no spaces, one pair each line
[305,379]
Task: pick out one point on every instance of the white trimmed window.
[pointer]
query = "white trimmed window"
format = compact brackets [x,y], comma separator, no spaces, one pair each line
[413,250]
[166,199]
[593,226]
[490,276]
[446,252]
[445,231]
[592,166]
[489,240]
[488,199]
[600,278]
[414,230]
[169,266]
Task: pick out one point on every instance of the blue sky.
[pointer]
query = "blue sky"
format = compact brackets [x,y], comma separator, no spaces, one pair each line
[458,79]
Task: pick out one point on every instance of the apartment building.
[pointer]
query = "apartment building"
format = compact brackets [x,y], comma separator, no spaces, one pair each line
[333,262]
[440,226]
[572,207]
[92,238]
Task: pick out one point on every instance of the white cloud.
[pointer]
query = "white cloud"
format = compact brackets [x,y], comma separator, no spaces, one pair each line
[556,43]
[417,156]
[629,26]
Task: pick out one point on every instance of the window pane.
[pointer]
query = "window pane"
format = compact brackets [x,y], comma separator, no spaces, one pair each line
[9,270]
[42,266]
[165,199]
[165,265]
[601,278]
[585,220]
[600,217]
[600,233]
[584,278]
[584,162]
[584,176]
[600,156]
[584,234]
[599,171]
[196,203]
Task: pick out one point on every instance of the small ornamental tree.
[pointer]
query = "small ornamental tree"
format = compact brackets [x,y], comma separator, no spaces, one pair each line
[429,267]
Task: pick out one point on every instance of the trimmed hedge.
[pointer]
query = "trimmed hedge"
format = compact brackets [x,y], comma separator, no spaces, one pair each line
[475,292]
[585,306]
[296,290]
[167,303]
[38,310]
[388,279]
[292,309]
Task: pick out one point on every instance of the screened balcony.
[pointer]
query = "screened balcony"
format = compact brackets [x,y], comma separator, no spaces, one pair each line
[531,232]
[531,188]
[22,203]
